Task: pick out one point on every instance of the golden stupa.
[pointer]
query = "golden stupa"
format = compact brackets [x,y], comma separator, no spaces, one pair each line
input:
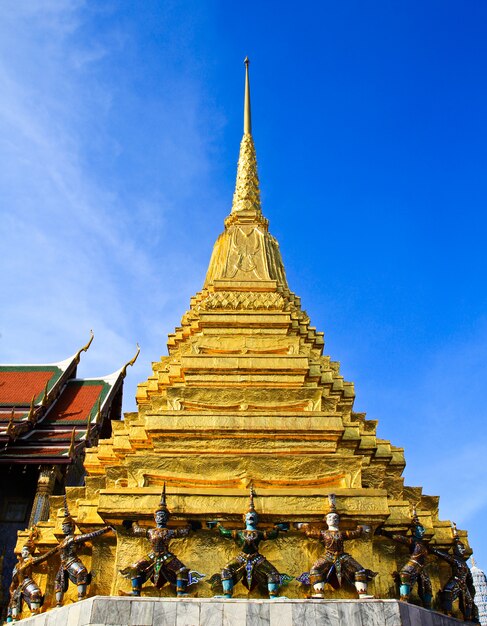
[245,396]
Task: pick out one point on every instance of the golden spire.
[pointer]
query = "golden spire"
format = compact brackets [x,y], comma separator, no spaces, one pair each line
[247,193]
[245,251]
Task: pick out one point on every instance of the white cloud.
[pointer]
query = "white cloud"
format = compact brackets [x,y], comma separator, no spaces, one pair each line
[79,253]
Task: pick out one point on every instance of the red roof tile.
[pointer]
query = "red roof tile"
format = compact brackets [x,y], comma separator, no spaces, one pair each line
[76,402]
[17,386]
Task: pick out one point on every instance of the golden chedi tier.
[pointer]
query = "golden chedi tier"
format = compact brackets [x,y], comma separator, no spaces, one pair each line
[246,396]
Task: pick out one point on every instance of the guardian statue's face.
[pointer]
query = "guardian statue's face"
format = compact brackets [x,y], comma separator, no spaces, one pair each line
[251,519]
[418,531]
[25,552]
[459,549]
[68,528]
[162,518]
[333,520]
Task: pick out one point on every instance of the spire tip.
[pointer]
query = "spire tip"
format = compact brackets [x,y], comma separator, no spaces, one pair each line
[247,114]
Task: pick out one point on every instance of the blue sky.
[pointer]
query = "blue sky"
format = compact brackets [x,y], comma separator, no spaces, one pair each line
[119,131]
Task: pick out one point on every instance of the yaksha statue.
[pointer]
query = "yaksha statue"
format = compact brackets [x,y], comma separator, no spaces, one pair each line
[414,569]
[336,564]
[72,568]
[160,566]
[249,565]
[23,587]
[460,585]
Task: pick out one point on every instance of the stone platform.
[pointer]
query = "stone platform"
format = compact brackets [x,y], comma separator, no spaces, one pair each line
[126,611]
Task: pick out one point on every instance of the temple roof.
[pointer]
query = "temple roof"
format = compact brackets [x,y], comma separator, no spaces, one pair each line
[47,414]
[20,383]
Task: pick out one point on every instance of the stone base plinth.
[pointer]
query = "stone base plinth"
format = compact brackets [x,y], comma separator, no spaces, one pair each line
[127,611]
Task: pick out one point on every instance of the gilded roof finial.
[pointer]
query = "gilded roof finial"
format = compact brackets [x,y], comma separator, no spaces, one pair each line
[84,348]
[46,394]
[247,193]
[10,425]
[247,112]
[72,444]
[31,415]
[131,362]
